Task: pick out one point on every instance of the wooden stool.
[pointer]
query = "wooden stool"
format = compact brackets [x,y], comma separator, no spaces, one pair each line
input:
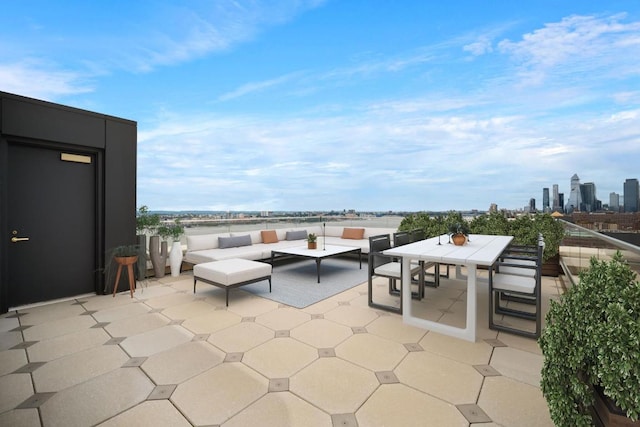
[128,261]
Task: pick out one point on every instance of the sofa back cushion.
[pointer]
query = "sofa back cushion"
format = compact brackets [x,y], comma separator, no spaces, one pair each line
[234,241]
[269,236]
[199,242]
[296,235]
[353,233]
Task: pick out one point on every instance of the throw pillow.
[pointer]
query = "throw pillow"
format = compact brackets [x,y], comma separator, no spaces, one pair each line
[269,236]
[296,235]
[234,242]
[353,233]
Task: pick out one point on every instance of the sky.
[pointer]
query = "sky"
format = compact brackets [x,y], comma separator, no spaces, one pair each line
[312,105]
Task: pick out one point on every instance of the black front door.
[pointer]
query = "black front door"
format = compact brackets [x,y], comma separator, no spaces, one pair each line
[51,231]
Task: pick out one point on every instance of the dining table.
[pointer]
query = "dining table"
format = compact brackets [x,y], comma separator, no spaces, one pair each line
[479,250]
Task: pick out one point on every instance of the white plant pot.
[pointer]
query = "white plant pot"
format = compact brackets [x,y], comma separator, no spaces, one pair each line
[175,259]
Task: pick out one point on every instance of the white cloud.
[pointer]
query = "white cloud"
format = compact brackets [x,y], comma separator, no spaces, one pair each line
[39,80]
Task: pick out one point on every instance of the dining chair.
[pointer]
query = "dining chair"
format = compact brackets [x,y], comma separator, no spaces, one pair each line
[381,265]
[515,282]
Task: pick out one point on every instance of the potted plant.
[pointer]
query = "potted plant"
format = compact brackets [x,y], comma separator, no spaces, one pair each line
[312,240]
[459,232]
[124,256]
[525,231]
[591,345]
[146,224]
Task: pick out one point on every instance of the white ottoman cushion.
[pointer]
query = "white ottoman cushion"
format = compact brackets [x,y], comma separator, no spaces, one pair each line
[231,271]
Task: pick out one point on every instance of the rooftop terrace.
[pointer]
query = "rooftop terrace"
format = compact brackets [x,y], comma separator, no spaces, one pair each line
[171,357]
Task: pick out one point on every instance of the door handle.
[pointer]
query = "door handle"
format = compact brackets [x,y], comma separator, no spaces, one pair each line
[19,239]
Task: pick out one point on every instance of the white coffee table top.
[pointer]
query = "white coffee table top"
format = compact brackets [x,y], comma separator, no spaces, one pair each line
[328,250]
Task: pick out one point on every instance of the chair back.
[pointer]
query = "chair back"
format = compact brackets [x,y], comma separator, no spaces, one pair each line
[401,238]
[417,235]
[379,243]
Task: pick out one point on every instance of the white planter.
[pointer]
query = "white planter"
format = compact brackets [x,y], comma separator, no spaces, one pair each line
[175,259]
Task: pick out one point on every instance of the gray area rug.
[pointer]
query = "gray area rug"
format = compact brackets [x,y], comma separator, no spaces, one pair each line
[295,282]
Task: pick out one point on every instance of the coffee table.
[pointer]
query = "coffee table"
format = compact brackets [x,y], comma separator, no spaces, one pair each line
[317,254]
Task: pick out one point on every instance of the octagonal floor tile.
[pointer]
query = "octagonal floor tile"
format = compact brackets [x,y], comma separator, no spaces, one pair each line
[155,413]
[52,349]
[518,364]
[392,328]
[280,358]
[334,385]
[241,337]
[136,325]
[14,389]
[371,352]
[121,311]
[96,400]
[283,318]
[351,316]
[188,310]
[78,367]
[219,393]
[48,313]
[58,328]
[509,402]
[155,341]
[211,322]
[399,405]
[170,299]
[281,409]
[10,360]
[249,305]
[321,333]
[180,363]
[439,376]
[471,353]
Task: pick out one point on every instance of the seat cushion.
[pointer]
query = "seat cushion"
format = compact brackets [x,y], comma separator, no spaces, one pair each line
[514,283]
[231,271]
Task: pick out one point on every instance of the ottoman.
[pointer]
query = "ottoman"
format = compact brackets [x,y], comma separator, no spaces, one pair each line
[231,273]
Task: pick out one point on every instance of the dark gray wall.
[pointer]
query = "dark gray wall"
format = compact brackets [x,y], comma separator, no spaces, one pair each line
[114,139]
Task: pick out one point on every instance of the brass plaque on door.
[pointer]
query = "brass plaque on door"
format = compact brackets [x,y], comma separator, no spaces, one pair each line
[68,157]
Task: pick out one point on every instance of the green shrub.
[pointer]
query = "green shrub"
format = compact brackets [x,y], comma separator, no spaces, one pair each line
[592,337]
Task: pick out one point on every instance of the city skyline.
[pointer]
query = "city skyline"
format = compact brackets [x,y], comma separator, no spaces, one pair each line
[318,105]
[576,189]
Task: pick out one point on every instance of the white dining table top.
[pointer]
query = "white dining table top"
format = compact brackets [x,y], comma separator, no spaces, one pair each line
[481,249]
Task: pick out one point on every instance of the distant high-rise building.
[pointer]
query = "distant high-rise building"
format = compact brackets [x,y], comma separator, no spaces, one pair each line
[493,208]
[532,205]
[560,201]
[631,195]
[545,199]
[556,200]
[575,196]
[614,202]
[589,199]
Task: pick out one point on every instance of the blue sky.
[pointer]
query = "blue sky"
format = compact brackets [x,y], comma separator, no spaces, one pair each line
[367,105]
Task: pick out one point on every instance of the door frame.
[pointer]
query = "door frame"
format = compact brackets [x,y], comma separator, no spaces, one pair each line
[99,213]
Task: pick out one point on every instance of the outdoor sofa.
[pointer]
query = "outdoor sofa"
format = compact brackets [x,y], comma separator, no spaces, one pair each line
[257,245]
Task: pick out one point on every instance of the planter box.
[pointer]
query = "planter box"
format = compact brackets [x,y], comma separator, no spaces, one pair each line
[609,414]
[551,267]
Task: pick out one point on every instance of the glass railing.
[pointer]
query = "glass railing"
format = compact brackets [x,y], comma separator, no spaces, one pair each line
[247,224]
[581,244]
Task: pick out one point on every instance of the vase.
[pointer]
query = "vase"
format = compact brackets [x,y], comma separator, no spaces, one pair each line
[459,239]
[312,245]
[158,254]
[175,259]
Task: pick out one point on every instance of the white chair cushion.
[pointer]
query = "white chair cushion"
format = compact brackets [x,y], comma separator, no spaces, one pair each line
[514,283]
[231,271]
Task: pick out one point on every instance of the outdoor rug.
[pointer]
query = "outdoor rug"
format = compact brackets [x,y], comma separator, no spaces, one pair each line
[295,283]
